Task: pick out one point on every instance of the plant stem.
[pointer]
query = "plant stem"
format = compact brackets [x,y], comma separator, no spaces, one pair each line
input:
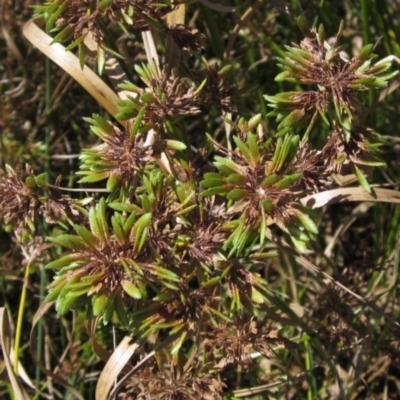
[20,319]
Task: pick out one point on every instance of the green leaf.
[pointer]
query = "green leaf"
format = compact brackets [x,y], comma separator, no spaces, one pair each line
[109,310]
[365,53]
[53,17]
[362,180]
[166,274]
[137,123]
[226,165]
[218,190]
[71,242]
[263,226]
[237,179]
[113,181]
[121,311]
[185,194]
[289,150]
[302,57]
[80,291]
[186,210]
[64,304]
[164,297]
[283,76]
[178,344]
[131,289]
[63,36]
[270,180]
[300,245]
[244,150]
[177,328]
[118,230]
[256,296]
[268,205]
[303,26]
[125,207]
[253,122]
[321,35]
[277,153]
[75,43]
[139,230]
[237,194]
[94,224]
[141,240]
[213,182]
[93,176]
[130,87]
[142,223]
[371,163]
[175,145]
[253,146]
[147,98]
[103,4]
[225,69]
[170,285]
[213,175]
[101,219]
[54,293]
[288,181]
[102,123]
[125,113]
[211,282]
[86,235]
[380,68]
[99,304]
[292,119]
[307,222]
[63,261]
[129,224]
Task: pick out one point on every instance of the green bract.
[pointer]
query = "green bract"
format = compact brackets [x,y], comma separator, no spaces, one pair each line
[332,94]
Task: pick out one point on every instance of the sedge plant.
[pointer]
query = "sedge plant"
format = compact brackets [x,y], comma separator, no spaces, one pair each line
[167,240]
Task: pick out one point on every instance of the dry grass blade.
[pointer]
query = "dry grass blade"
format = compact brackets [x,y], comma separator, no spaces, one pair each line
[114,366]
[21,372]
[5,342]
[32,343]
[150,49]
[342,195]
[70,64]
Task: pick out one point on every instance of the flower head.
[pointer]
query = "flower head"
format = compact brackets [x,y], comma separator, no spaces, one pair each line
[19,198]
